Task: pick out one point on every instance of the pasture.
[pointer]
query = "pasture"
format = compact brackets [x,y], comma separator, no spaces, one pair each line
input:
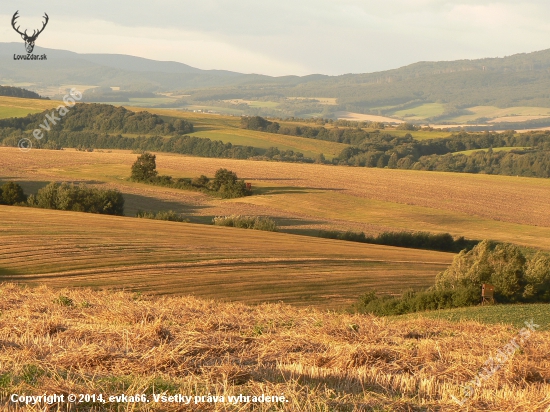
[69,249]
[420,112]
[514,315]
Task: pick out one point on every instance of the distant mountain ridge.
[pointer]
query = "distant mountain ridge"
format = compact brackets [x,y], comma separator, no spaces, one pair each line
[517,80]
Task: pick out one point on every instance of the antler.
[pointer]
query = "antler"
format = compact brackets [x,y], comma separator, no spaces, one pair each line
[13,21]
[43,25]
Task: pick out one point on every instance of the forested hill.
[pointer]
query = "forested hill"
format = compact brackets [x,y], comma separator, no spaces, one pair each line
[518,80]
[100,118]
[19,92]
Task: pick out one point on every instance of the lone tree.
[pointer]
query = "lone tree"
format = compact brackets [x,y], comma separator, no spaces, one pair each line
[228,185]
[144,168]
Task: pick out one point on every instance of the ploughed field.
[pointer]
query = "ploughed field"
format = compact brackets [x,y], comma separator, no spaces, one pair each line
[61,249]
[304,198]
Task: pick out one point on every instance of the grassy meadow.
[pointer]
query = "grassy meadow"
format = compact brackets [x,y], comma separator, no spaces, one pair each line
[514,315]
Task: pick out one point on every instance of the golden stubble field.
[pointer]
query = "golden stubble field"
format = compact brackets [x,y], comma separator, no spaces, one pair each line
[63,249]
[111,343]
[308,197]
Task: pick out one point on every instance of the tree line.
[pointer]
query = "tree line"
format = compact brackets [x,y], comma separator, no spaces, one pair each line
[443,242]
[10,91]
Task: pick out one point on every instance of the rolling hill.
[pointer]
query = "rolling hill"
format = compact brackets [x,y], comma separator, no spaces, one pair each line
[424,91]
[67,249]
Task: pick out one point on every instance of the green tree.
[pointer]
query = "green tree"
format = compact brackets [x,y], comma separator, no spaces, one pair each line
[537,275]
[12,193]
[144,168]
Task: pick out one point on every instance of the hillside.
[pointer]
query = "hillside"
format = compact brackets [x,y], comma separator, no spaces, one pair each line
[424,91]
[304,198]
[215,262]
[79,341]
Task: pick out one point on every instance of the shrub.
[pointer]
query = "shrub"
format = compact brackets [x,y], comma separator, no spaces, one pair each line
[412,301]
[169,215]
[247,222]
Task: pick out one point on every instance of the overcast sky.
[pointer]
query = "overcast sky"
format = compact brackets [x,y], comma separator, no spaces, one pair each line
[279,37]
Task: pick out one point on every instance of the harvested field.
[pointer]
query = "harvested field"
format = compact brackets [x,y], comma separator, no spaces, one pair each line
[64,249]
[78,341]
[359,117]
[311,197]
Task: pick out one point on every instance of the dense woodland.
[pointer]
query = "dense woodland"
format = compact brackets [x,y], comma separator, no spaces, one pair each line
[101,118]
[10,91]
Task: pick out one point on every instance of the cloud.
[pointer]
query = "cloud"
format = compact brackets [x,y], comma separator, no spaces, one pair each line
[282,36]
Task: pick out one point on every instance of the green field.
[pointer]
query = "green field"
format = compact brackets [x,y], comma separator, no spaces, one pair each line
[514,315]
[6,112]
[421,134]
[495,149]
[421,112]
[309,147]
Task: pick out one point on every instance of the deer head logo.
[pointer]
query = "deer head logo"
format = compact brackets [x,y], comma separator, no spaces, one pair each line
[29,40]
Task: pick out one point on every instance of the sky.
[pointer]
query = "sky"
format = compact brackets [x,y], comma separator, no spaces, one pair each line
[283,37]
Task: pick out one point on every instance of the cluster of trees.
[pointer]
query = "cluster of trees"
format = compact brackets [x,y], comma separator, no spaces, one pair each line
[225,183]
[19,92]
[12,194]
[76,198]
[101,118]
[443,242]
[517,277]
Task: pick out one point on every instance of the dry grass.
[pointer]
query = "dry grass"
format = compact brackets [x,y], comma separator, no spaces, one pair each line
[64,249]
[313,197]
[78,341]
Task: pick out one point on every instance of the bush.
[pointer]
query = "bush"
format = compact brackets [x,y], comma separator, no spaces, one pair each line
[11,194]
[412,301]
[247,222]
[169,215]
